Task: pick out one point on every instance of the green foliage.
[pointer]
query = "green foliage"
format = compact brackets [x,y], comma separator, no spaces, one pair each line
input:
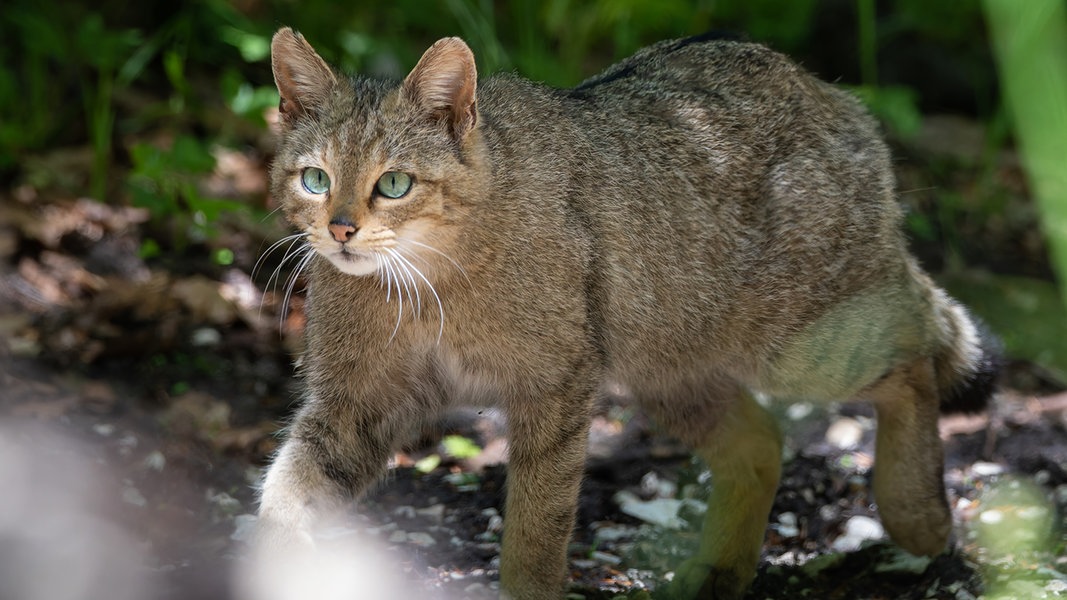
[1030,40]
[165,181]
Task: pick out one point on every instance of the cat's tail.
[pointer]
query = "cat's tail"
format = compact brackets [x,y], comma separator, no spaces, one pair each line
[970,359]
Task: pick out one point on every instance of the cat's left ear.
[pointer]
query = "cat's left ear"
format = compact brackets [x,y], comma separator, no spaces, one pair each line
[443,84]
[304,80]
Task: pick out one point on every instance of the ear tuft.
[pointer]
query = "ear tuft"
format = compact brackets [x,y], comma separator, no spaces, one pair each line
[304,80]
[443,84]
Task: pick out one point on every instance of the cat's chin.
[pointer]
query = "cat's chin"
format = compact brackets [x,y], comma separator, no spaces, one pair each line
[353,264]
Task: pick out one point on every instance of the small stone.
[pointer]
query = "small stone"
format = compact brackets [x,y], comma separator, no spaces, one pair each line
[206,336]
[404,512]
[476,589]
[662,512]
[398,536]
[798,411]
[787,525]
[605,557]
[845,433]
[131,495]
[1057,587]
[858,529]
[155,461]
[614,533]
[104,429]
[991,517]
[986,469]
[435,513]
[421,539]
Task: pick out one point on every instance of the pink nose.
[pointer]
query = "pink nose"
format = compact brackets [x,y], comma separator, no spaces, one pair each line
[342,232]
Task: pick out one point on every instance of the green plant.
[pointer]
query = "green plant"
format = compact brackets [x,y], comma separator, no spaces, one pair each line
[166,182]
[1030,44]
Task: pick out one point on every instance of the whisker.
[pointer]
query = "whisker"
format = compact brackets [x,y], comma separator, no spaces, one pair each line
[289,238]
[291,252]
[270,214]
[440,306]
[399,297]
[309,253]
[416,307]
[455,264]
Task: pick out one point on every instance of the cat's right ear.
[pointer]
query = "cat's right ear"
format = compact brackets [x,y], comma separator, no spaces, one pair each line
[304,80]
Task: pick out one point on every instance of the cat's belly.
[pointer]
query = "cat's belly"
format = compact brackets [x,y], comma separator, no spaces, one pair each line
[833,357]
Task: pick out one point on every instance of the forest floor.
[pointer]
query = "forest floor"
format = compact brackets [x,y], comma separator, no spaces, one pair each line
[140,400]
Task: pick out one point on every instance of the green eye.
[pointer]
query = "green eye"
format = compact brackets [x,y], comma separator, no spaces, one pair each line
[394,184]
[315,180]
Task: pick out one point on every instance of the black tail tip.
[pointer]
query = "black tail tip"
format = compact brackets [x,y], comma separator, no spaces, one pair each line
[972,393]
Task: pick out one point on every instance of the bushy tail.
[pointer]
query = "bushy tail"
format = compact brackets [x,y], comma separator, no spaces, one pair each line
[969,364]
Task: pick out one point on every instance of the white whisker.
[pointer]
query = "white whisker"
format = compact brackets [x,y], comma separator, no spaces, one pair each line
[442,254]
[309,253]
[400,299]
[440,306]
[289,238]
[416,307]
[291,252]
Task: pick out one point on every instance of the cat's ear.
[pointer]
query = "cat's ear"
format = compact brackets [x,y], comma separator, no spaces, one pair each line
[443,85]
[304,80]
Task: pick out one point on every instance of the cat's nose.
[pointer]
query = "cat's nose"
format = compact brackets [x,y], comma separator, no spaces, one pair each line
[342,230]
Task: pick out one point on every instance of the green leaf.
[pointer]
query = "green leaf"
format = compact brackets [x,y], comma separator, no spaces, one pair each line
[428,464]
[460,447]
[253,47]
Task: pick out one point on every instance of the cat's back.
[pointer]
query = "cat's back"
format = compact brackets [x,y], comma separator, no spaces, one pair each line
[704,62]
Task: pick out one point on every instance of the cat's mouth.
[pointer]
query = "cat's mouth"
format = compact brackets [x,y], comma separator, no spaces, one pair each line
[352,262]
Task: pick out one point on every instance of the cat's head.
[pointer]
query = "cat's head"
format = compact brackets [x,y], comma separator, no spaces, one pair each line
[370,169]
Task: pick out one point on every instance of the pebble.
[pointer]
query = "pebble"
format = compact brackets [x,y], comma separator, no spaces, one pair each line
[614,533]
[787,525]
[991,517]
[798,411]
[421,539]
[435,513]
[858,529]
[104,429]
[986,469]
[155,461]
[844,433]
[131,495]
[206,336]
[605,557]
[495,525]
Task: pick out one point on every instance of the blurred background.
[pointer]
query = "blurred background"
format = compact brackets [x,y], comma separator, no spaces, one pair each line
[146,313]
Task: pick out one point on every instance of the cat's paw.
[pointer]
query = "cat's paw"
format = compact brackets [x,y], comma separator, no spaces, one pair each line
[274,538]
[697,580]
[921,530]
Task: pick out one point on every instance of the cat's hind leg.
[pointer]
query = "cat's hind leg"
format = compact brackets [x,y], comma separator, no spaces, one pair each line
[741,444]
[909,464]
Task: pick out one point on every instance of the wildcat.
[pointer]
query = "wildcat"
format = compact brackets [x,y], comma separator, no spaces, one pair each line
[702,222]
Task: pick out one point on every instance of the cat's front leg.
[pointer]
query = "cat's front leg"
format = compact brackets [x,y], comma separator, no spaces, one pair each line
[546,460]
[294,493]
[331,455]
